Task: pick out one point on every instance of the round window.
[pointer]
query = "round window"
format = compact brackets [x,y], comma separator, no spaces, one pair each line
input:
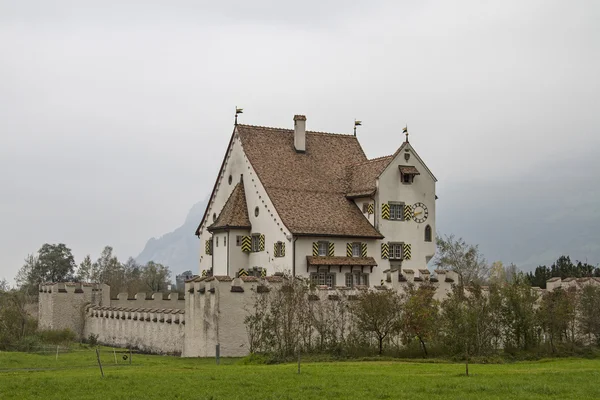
[256,211]
[230,179]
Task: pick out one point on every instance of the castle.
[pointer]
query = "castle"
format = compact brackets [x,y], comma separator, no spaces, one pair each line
[285,201]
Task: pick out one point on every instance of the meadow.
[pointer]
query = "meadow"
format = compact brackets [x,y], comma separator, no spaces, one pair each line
[75,375]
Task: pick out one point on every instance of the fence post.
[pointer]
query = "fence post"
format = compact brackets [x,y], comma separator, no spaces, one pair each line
[218,352]
[57,352]
[115,354]
[129,355]
[99,362]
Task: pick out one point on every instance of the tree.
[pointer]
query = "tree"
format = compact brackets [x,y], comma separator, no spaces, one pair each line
[589,312]
[378,313]
[53,263]
[556,313]
[518,313]
[420,315]
[4,286]
[156,276]
[462,258]
[85,270]
[109,270]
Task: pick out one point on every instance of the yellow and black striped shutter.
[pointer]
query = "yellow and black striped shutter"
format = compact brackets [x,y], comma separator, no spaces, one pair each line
[246,244]
[331,249]
[385,251]
[203,272]
[282,253]
[408,212]
[315,249]
[275,252]
[261,243]
[242,272]
[385,211]
[207,246]
[406,251]
[263,272]
[363,249]
[370,208]
[348,249]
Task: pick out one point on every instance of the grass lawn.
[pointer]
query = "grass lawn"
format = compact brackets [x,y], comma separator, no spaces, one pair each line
[76,376]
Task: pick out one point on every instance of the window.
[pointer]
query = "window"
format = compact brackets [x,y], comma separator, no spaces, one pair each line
[224,241]
[256,242]
[322,278]
[256,211]
[355,249]
[217,241]
[214,217]
[396,211]
[365,208]
[279,249]
[238,240]
[323,248]
[356,279]
[428,233]
[256,271]
[395,251]
[408,178]
[230,179]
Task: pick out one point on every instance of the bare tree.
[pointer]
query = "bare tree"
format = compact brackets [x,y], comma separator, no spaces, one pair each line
[464,259]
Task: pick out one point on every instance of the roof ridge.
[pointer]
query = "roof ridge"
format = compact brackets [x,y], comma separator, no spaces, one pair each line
[273,128]
[371,160]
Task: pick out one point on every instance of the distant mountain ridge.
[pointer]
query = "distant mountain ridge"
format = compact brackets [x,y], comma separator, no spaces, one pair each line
[178,249]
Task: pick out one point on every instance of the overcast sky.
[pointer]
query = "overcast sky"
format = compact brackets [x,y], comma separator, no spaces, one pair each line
[115,115]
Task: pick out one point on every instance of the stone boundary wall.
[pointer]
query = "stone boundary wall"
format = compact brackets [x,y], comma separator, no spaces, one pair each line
[148,329]
[149,300]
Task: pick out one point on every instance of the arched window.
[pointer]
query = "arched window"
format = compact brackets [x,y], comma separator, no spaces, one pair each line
[428,233]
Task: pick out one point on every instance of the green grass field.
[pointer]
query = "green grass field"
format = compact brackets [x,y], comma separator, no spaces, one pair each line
[76,376]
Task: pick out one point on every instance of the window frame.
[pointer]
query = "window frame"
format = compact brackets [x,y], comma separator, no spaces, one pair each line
[255,243]
[238,240]
[323,278]
[326,247]
[396,210]
[394,248]
[356,245]
[428,234]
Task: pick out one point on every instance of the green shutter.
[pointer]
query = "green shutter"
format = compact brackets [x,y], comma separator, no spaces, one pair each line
[407,212]
[331,249]
[363,249]
[246,244]
[261,243]
[385,211]
[348,249]
[385,251]
[406,251]
[315,249]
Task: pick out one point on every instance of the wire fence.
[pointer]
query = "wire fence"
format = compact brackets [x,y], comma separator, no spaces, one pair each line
[54,357]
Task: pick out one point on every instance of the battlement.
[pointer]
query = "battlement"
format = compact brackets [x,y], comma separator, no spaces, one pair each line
[167,316]
[70,287]
[161,300]
[571,283]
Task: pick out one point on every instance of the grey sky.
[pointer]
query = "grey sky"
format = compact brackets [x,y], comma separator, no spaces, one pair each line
[114,115]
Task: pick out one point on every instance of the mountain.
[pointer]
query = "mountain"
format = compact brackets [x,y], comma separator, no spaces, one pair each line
[179,249]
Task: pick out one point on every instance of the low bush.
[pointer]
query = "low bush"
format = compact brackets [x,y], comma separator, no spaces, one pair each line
[59,336]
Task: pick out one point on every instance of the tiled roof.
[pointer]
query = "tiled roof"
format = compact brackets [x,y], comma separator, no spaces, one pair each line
[362,176]
[409,169]
[424,271]
[235,211]
[338,260]
[308,189]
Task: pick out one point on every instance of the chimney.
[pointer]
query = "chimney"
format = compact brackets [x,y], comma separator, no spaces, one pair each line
[300,133]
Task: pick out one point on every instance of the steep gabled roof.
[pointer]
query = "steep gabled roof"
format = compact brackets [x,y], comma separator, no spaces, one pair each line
[235,211]
[308,190]
[362,177]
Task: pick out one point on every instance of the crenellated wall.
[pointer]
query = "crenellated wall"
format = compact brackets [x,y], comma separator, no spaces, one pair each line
[149,300]
[148,329]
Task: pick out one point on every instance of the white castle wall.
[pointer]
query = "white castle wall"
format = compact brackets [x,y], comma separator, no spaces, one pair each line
[149,300]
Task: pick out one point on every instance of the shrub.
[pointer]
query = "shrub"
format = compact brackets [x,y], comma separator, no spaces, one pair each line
[62,336]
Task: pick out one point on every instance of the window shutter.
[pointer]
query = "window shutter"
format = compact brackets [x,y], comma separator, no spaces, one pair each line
[407,212]
[207,247]
[363,249]
[263,272]
[315,249]
[331,249]
[275,250]
[385,251]
[348,249]
[282,252]
[261,243]
[406,251]
[246,244]
[370,208]
[242,272]
[385,211]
